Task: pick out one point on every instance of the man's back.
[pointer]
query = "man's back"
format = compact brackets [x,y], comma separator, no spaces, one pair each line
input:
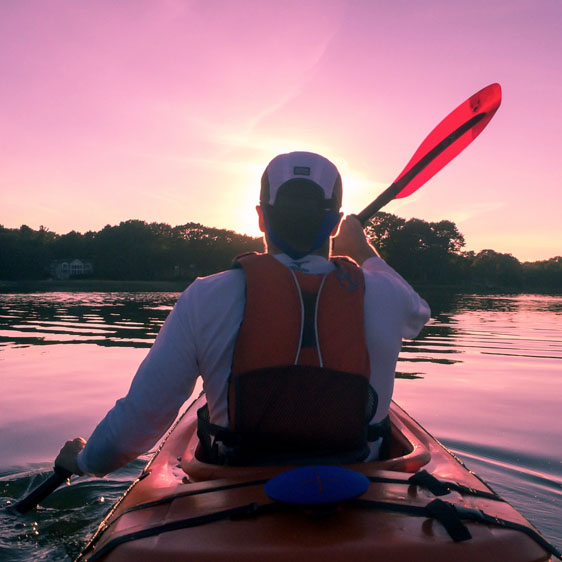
[299,213]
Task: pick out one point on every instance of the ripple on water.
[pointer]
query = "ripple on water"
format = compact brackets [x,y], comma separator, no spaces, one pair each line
[61,526]
[531,483]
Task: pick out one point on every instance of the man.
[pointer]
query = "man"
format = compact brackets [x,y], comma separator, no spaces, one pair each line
[297,353]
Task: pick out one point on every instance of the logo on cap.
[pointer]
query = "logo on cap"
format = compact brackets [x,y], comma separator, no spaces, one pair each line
[301,171]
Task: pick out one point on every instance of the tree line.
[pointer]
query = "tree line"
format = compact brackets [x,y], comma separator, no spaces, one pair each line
[132,250]
[432,253]
[422,252]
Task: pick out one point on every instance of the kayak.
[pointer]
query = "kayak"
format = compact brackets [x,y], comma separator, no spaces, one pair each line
[418,503]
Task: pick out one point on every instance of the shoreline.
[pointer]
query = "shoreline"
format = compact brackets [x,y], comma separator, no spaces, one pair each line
[92,285]
[178,286]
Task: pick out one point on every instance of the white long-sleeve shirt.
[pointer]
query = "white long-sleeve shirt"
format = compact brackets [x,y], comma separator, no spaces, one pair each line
[198,338]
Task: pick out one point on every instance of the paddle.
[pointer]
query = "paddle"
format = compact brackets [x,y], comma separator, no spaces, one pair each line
[43,490]
[447,140]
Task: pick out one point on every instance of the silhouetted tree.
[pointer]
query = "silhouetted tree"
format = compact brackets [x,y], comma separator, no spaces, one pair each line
[24,252]
[543,274]
[74,245]
[422,252]
[493,269]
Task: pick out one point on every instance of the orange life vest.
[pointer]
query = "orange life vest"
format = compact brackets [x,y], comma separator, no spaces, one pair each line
[299,386]
[295,318]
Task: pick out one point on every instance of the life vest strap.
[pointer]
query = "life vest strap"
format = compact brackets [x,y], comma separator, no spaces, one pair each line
[210,435]
[380,429]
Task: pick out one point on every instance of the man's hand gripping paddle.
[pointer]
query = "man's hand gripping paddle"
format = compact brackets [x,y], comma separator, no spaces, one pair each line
[447,140]
[68,458]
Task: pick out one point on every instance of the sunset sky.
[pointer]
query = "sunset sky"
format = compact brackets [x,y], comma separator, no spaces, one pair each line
[169,110]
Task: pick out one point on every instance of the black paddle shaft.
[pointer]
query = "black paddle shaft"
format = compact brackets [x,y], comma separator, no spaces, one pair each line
[391,192]
[43,490]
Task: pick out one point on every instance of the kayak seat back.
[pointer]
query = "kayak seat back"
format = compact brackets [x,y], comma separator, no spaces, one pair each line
[294,414]
[407,452]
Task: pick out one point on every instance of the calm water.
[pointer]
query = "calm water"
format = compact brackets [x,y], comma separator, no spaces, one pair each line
[484,377]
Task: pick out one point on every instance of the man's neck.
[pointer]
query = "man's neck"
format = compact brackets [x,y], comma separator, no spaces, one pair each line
[323,251]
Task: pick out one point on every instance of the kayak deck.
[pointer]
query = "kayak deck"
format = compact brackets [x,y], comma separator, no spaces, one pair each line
[422,504]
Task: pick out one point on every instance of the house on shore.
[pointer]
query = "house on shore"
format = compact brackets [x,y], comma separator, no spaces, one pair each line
[70,268]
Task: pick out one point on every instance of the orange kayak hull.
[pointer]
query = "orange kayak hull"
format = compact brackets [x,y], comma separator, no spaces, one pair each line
[183,509]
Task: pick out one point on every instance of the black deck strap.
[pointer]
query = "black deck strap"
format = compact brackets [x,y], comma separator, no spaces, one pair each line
[241,512]
[437,487]
[448,516]
[438,509]
[169,499]
[442,511]
[415,510]
[479,516]
[428,481]
[472,491]
[189,493]
[385,480]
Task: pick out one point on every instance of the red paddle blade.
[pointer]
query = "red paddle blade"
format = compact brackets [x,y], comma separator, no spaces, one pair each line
[457,131]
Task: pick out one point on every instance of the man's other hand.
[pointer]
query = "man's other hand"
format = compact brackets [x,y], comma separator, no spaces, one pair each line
[67,458]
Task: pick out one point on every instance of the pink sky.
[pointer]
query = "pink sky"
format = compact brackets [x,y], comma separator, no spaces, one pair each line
[169,110]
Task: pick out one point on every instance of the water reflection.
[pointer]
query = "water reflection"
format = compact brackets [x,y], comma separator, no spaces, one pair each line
[503,325]
[105,319]
[448,302]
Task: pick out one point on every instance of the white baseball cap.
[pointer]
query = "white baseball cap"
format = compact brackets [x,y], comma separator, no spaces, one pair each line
[301,166]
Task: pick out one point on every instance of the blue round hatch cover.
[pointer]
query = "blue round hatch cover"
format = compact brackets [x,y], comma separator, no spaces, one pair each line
[313,485]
